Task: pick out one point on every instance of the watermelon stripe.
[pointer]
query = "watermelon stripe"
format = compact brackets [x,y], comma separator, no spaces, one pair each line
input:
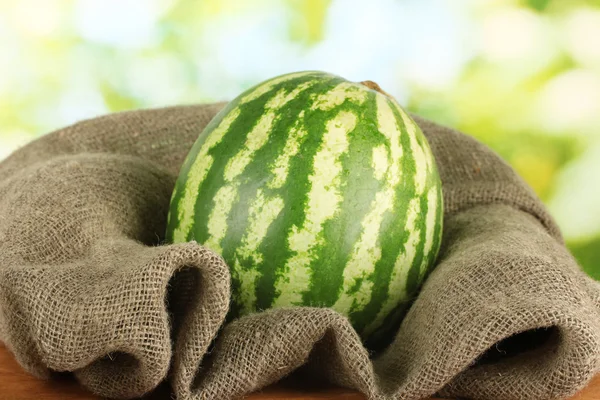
[420,180]
[173,219]
[247,272]
[257,207]
[261,131]
[397,287]
[227,195]
[416,149]
[440,223]
[408,250]
[393,235]
[380,161]
[430,226]
[283,96]
[412,279]
[281,167]
[264,208]
[196,175]
[437,234]
[222,154]
[323,202]
[264,88]
[367,251]
[358,191]
[294,191]
[345,91]
[227,148]
[256,139]
[435,219]
[263,212]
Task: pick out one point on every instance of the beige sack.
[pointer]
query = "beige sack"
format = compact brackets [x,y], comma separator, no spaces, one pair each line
[85,285]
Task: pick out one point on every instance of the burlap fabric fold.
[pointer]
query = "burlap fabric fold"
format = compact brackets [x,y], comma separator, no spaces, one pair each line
[88,286]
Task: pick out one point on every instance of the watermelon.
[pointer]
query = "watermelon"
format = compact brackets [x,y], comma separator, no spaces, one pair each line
[316,191]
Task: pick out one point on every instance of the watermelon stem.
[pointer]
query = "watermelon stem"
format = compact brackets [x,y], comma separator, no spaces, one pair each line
[374,86]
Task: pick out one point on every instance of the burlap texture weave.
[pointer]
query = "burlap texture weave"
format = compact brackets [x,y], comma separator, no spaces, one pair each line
[86,284]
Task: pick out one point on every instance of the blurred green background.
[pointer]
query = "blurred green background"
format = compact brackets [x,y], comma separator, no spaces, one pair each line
[521,76]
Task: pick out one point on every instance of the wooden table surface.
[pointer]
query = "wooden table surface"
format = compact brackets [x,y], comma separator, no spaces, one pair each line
[16,384]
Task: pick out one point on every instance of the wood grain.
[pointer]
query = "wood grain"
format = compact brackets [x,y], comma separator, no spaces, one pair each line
[16,384]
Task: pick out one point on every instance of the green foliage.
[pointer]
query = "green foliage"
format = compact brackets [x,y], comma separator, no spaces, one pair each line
[307,20]
[538,5]
[587,254]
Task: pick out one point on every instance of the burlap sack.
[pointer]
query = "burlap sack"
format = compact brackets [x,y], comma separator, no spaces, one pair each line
[86,286]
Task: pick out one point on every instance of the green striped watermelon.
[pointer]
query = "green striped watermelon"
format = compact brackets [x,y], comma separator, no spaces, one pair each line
[318,192]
